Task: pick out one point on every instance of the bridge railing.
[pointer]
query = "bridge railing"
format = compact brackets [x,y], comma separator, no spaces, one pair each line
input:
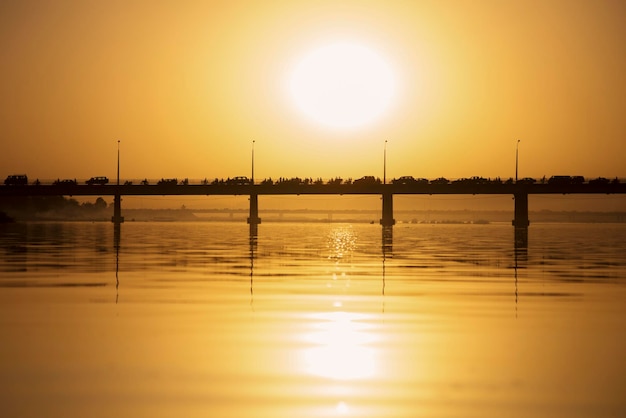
[307,181]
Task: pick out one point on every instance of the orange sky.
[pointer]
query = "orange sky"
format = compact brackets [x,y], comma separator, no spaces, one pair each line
[187,85]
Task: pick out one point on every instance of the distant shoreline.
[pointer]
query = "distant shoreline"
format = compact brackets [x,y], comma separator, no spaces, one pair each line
[338,216]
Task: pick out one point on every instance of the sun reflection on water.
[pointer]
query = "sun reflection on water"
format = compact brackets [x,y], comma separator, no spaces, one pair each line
[341,347]
[342,408]
[341,242]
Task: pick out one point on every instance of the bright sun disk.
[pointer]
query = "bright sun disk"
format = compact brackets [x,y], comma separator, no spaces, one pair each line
[342,85]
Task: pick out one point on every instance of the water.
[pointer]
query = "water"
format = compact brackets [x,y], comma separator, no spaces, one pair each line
[312,320]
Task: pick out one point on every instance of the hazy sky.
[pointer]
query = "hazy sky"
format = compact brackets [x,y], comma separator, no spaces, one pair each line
[188,85]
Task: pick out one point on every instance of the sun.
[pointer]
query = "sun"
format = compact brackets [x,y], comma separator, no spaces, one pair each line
[342,85]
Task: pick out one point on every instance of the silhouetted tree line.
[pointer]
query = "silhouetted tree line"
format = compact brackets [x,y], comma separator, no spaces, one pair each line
[52,207]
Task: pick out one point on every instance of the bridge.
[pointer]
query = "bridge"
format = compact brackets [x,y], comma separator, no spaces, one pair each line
[519,190]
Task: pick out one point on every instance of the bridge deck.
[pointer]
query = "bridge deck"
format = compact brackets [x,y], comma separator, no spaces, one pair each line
[207,190]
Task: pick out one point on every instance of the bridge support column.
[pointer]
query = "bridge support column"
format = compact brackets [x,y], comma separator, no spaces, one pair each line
[254,219]
[521,222]
[387,219]
[117,210]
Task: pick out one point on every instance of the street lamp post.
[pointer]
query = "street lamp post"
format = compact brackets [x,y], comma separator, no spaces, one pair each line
[252,179]
[385,164]
[253,219]
[387,219]
[516,159]
[117,218]
[118,162]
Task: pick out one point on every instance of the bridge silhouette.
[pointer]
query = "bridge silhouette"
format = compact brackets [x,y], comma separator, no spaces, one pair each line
[519,190]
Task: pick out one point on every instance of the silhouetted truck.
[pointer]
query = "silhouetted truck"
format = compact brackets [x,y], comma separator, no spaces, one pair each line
[16,180]
[566,180]
[97,180]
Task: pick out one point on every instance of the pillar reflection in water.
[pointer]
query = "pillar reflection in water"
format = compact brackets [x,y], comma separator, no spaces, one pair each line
[521,238]
[387,248]
[117,237]
[520,254]
[254,230]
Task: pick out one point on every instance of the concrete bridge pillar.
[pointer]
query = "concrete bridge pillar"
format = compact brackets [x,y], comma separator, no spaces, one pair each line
[387,219]
[521,210]
[117,210]
[254,219]
[521,222]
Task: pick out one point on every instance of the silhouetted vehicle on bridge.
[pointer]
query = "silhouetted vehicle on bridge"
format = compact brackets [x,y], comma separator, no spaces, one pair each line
[440,180]
[167,182]
[97,180]
[238,181]
[600,180]
[65,182]
[566,180]
[335,181]
[409,180]
[16,180]
[526,180]
[476,180]
[293,181]
[560,180]
[366,180]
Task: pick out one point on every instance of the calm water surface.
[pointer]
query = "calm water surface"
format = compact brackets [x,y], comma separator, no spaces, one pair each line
[312,320]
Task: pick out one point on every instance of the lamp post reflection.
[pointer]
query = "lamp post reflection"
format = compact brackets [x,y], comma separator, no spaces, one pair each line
[117,237]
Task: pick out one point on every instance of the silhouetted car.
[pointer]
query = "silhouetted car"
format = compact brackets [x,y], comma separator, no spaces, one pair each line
[65,182]
[238,181]
[526,180]
[440,180]
[566,180]
[479,180]
[366,180]
[403,180]
[560,180]
[97,180]
[16,180]
[600,180]
[463,180]
[409,180]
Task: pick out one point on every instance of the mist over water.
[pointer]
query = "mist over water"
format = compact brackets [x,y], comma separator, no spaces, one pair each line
[311,320]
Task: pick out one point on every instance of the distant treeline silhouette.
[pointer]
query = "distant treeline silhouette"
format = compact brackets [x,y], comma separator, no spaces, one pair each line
[53,207]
